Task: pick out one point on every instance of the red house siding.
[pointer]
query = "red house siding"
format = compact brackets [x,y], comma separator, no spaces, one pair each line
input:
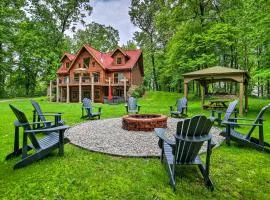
[104,64]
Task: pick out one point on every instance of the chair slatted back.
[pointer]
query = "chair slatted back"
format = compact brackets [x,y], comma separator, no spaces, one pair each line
[87,104]
[230,110]
[39,112]
[181,104]
[132,103]
[23,120]
[257,120]
[199,125]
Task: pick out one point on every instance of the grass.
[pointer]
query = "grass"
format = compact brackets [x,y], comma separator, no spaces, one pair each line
[237,172]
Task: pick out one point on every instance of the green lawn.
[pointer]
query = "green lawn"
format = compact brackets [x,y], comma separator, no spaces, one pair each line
[237,172]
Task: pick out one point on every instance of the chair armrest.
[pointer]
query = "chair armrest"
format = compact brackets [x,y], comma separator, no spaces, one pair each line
[193,138]
[98,107]
[50,114]
[160,133]
[58,128]
[244,119]
[86,107]
[41,122]
[242,124]
[16,123]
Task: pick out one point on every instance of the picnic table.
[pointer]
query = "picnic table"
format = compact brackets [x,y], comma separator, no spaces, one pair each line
[217,104]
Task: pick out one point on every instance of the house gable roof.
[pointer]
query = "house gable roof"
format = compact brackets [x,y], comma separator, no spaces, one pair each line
[120,50]
[69,56]
[105,60]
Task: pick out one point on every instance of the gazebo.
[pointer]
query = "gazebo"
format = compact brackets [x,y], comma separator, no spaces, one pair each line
[218,73]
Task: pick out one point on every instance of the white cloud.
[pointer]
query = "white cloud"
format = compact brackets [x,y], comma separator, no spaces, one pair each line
[115,14]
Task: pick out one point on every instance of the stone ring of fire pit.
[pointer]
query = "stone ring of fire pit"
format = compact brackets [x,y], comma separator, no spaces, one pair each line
[144,122]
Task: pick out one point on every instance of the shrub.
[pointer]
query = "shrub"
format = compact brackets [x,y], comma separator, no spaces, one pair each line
[138,92]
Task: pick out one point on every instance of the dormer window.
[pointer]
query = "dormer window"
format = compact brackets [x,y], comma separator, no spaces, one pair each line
[67,65]
[119,61]
[86,62]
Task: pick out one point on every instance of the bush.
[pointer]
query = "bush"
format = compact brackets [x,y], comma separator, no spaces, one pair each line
[138,92]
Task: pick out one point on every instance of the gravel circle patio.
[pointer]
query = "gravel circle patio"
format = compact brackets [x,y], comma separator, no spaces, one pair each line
[107,136]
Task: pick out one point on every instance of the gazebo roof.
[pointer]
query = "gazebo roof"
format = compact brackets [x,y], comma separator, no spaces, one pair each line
[216,70]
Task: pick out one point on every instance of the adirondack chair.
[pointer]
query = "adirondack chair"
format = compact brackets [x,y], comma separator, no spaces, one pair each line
[132,106]
[42,146]
[231,134]
[190,136]
[88,108]
[230,110]
[181,108]
[39,116]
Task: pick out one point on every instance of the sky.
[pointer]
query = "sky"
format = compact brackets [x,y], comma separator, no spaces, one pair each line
[115,14]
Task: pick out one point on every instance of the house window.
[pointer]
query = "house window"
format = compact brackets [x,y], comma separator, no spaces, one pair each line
[93,63]
[118,77]
[118,92]
[96,77]
[86,78]
[67,65]
[86,62]
[119,61]
[76,77]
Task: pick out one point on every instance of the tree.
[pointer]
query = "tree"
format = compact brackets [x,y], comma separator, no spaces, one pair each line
[10,15]
[101,37]
[130,45]
[142,15]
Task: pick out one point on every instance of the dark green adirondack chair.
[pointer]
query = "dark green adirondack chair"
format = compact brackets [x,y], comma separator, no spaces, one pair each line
[88,108]
[181,108]
[184,150]
[40,116]
[231,134]
[132,106]
[216,114]
[41,146]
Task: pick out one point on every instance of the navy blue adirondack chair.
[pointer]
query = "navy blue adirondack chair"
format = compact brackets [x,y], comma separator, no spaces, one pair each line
[181,108]
[232,134]
[53,138]
[40,116]
[184,149]
[87,110]
[132,106]
[216,114]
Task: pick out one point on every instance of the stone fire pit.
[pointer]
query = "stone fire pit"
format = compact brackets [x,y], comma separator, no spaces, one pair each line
[144,122]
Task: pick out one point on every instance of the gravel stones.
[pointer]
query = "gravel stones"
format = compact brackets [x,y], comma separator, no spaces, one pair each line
[107,136]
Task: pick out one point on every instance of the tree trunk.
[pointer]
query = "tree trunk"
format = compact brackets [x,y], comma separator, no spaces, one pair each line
[155,84]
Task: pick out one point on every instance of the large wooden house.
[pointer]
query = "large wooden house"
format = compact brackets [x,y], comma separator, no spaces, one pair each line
[98,76]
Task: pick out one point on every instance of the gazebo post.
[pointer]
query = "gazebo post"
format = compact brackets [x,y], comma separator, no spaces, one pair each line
[246,97]
[202,93]
[241,95]
[186,89]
